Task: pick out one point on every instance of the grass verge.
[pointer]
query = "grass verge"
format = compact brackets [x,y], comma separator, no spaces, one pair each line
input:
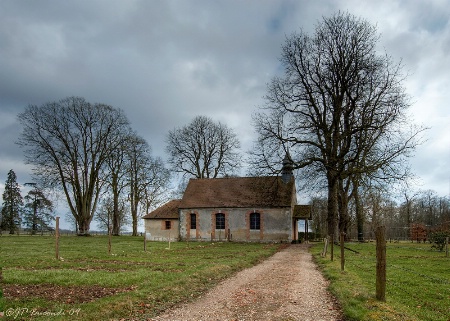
[87,283]
[418,282]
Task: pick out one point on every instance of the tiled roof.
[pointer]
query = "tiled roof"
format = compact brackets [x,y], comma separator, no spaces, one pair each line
[168,210]
[302,212]
[269,191]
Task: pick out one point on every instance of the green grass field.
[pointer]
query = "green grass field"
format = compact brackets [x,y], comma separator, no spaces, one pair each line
[87,283]
[417,287]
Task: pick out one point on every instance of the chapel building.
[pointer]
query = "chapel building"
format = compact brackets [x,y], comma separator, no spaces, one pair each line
[241,209]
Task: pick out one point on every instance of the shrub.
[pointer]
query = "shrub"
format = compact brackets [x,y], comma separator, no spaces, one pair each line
[438,239]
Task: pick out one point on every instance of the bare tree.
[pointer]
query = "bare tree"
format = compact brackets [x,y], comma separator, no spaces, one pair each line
[319,215]
[340,107]
[156,184]
[147,178]
[117,181]
[68,143]
[107,213]
[203,149]
[138,153]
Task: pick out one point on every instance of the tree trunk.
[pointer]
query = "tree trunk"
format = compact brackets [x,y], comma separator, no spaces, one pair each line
[133,210]
[408,216]
[359,213]
[34,225]
[134,204]
[83,225]
[116,215]
[344,219]
[83,228]
[116,218]
[332,203]
[381,264]
[134,227]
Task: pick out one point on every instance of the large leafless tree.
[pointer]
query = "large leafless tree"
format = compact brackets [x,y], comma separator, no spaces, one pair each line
[116,183]
[340,108]
[157,179]
[112,215]
[134,174]
[68,143]
[147,178]
[203,149]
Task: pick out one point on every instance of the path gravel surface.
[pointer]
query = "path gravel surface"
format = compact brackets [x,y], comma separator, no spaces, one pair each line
[286,286]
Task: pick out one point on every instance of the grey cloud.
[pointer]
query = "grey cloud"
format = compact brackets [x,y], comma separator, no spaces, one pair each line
[164,62]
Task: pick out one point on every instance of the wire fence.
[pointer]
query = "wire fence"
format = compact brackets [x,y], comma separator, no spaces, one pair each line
[410,284]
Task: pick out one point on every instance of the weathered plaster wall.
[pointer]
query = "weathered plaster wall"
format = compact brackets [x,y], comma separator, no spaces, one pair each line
[158,231]
[276,225]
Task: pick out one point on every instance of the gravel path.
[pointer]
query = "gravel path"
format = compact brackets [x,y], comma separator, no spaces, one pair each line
[287,286]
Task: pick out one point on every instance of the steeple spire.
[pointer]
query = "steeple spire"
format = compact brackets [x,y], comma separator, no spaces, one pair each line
[287,171]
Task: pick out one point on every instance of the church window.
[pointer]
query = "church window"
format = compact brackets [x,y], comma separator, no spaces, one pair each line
[220,221]
[168,225]
[255,221]
[193,221]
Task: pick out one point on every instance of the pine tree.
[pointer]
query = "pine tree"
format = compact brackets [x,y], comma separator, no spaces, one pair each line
[38,210]
[12,204]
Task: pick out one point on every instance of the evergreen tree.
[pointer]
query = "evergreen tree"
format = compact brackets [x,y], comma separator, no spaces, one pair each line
[38,210]
[12,204]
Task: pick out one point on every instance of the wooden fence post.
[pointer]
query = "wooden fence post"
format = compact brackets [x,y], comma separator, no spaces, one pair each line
[325,246]
[169,239]
[446,246]
[57,238]
[381,264]
[332,247]
[145,242]
[342,251]
[109,240]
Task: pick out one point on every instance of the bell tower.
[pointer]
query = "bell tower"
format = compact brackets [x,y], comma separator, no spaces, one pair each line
[287,171]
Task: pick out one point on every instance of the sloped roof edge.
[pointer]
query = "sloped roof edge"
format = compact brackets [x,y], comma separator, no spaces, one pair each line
[238,192]
[167,211]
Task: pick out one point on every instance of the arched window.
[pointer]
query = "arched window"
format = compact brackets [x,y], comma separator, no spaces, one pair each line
[193,221]
[220,221]
[255,221]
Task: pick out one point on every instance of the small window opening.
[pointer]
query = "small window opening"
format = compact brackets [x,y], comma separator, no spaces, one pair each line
[193,221]
[255,221]
[220,221]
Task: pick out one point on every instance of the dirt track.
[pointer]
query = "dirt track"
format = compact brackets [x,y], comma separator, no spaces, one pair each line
[287,286]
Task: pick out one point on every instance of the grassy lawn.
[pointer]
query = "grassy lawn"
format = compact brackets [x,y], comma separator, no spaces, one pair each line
[418,282]
[89,284]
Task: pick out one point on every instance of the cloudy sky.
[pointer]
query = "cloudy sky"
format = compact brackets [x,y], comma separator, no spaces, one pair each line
[165,62]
